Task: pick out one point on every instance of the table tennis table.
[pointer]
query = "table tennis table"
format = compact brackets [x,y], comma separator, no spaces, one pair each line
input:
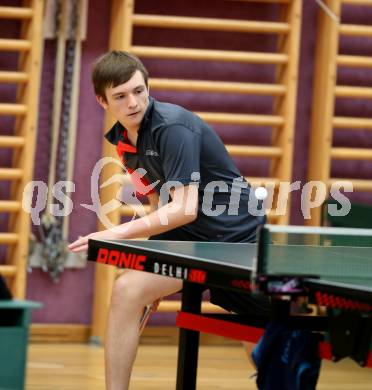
[331,267]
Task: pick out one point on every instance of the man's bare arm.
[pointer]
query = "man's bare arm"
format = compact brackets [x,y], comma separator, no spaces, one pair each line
[182,210]
[153,201]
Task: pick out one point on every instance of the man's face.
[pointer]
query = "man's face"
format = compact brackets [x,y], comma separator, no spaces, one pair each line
[127,102]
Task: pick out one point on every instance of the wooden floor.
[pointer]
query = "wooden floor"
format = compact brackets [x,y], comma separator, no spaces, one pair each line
[80,367]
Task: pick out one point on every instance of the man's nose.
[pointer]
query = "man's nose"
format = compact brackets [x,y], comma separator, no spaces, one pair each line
[132,101]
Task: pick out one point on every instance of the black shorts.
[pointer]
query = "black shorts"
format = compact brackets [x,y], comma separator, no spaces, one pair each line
[229,300]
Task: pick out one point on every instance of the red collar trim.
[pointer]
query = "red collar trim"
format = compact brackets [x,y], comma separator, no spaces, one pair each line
[122,147]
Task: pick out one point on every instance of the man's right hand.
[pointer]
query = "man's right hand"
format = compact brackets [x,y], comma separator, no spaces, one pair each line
[81,244]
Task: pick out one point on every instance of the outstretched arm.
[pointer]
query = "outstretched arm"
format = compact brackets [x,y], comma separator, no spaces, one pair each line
[180,211]
[153,199]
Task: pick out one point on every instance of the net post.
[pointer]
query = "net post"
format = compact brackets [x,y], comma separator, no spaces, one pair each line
[264,240]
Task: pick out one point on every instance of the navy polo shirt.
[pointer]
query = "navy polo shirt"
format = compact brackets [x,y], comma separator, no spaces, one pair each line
[176,147]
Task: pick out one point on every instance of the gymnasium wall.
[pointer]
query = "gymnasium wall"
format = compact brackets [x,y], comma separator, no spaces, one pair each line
[70,301]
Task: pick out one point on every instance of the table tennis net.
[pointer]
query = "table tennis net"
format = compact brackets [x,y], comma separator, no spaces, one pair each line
[336,257]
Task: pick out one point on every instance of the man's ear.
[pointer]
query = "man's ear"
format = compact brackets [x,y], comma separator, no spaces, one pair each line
[102,102]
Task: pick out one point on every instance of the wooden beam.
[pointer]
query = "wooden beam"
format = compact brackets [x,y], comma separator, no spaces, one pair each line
[14,44]
[357,2]
[8,77]
[241,119]
[15,13]
[11,173]
[285,106]
[355,30]
[254,151]
[326,60]
[9,238]
[344,122]
[358,184]
[354,61]
[120,39]
[8,271]
[195,23]
[209,55]
[265,1]
[217,86]
[353,92]
[351,154]
[12,109]
[10,206]
[10,141]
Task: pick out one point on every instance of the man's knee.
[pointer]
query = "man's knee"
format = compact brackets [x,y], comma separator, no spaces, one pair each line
[127,289]
[139,288]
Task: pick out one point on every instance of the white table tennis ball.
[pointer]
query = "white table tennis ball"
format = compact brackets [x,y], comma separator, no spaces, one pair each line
[261,193]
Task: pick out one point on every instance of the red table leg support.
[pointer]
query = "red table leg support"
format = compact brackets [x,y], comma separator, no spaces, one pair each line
[219,327]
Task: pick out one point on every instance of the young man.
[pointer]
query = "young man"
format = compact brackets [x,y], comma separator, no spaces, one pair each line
[208,198]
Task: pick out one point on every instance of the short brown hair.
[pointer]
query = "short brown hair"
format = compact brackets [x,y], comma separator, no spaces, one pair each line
[115,68]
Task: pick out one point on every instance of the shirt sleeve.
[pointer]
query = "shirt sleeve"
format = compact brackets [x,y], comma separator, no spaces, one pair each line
[179,149]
